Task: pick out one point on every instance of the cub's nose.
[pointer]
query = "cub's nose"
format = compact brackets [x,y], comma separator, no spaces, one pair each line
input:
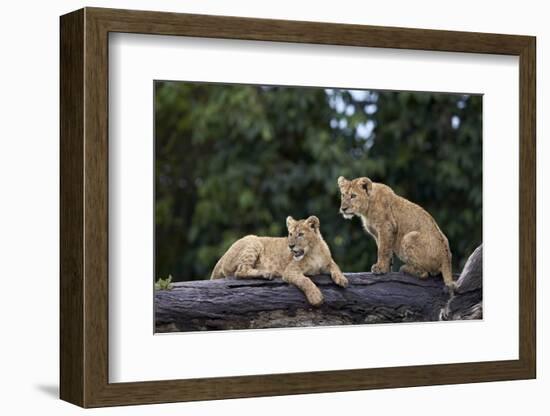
[291,246]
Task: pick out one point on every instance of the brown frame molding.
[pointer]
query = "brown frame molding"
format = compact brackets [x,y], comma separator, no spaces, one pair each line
[84,207]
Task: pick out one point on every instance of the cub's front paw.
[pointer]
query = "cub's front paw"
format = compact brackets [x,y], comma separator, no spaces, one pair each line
[315,298]
[378,269]
[340,280]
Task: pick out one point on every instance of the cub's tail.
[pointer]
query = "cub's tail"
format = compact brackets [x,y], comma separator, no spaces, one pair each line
[447,272]
[217,272]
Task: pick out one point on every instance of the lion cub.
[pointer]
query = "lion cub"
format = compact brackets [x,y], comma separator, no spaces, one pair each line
[304,253]
[398,226]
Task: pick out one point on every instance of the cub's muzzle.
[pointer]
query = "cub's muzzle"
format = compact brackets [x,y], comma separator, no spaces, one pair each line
[345,213]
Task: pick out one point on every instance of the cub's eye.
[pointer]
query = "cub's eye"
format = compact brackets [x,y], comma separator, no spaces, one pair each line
[300,234]
[352,196]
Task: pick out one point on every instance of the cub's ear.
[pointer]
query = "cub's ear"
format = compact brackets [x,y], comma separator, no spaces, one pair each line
[341,181]
[289,221]
[366,184]
[313,222]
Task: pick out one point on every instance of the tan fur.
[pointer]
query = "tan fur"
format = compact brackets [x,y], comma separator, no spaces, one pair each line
[295,258]
[398,226]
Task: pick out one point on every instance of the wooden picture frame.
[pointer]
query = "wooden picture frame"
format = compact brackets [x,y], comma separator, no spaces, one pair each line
[84,207]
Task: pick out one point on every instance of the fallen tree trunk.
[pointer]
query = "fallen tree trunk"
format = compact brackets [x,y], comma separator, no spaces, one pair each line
[238,304]
[224,304]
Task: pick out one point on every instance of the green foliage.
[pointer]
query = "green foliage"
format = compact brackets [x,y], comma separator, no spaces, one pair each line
[164,284]
[233,160]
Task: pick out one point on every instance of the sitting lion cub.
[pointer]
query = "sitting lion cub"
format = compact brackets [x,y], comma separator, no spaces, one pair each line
[304,253]
[398,226]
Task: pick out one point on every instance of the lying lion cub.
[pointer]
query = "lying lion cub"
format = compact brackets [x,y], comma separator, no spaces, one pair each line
[398,226]
[304,253]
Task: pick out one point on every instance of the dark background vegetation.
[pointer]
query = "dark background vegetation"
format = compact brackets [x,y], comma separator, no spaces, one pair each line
[233,160]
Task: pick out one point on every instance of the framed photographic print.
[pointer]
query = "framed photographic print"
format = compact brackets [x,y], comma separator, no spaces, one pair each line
[255,207]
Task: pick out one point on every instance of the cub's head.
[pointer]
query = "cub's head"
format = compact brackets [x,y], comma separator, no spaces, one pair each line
[303,235]
[355,195]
